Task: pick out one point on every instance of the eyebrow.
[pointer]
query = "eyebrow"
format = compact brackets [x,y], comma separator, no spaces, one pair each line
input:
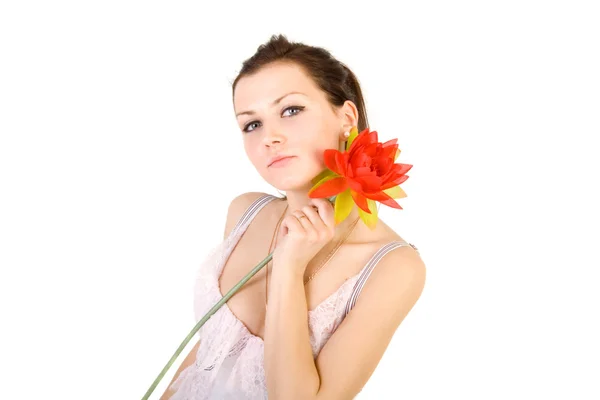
[272,104]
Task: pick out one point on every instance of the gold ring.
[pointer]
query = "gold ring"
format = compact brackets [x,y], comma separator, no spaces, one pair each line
[302,216]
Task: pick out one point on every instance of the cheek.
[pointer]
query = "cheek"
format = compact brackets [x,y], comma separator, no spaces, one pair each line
[255,155]
[250,150]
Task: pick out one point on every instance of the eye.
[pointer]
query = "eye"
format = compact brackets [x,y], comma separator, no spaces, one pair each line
[248,125]
[298,108]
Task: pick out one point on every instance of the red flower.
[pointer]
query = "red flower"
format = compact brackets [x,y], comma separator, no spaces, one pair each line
[361,175]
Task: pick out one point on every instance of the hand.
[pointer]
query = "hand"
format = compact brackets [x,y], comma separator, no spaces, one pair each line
[304,237]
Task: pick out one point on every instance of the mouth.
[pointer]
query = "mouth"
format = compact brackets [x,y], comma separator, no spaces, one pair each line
[281,162]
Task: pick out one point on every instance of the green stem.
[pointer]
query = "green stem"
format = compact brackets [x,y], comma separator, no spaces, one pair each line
[210,312]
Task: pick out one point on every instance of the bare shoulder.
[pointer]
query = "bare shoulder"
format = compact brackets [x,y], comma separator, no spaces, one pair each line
[404,264]
[399,264]
[237,207]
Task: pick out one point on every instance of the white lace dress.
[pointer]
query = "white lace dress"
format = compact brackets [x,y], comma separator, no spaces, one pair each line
[229,359]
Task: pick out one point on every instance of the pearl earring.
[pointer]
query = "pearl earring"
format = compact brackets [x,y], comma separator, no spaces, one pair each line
[343,144]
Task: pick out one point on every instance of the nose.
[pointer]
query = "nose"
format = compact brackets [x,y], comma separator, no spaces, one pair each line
[273,137]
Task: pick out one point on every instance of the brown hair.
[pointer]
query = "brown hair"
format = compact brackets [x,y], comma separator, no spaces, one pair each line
[331,75]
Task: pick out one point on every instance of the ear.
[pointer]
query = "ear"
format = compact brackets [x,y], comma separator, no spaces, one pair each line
[349,115]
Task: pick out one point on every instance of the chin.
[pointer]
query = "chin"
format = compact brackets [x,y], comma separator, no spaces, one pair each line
[296,177]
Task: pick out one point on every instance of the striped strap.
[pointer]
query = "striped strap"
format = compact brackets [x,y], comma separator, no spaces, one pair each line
[360,283]
[254,208]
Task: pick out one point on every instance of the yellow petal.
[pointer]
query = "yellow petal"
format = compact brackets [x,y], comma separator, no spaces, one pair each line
[343,206]
[397,154]
[395,192]
[323,180]
[369,219]
[325,173]
[353,135]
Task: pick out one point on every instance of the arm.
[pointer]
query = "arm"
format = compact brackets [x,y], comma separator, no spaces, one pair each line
[290,370]
[352,353]
[189,360]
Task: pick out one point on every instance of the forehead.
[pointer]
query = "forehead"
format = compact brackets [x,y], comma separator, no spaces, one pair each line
[271,82]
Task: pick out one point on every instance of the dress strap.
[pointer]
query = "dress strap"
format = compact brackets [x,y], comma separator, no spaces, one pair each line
[252,210]
[360,283]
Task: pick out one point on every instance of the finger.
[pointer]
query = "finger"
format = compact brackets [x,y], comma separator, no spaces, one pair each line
[315,218]
[304,220]
[326,211]
[324,230]
[291,223]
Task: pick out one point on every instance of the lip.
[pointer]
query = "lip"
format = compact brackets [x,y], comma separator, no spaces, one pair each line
[278,158]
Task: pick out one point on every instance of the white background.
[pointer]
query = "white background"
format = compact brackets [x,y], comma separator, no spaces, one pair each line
[119,154]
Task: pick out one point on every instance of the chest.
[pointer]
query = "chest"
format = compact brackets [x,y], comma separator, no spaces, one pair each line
[248,304]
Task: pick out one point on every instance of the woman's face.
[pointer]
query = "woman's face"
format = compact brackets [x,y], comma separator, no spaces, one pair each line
[281,112]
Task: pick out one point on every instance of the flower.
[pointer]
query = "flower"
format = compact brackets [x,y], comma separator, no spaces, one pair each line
[364,173]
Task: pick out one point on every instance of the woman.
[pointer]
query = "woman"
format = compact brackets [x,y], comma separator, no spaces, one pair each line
[288,333]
